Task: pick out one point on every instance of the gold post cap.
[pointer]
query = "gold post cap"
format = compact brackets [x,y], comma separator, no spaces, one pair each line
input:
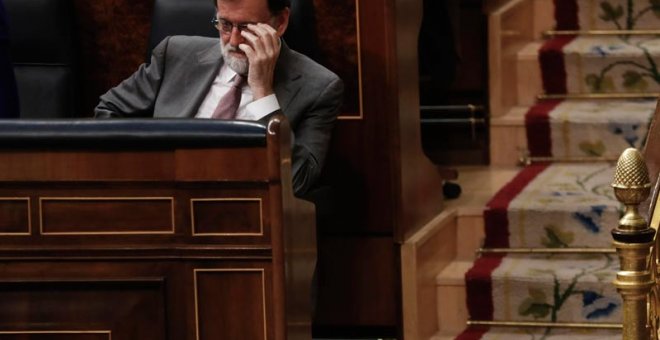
[631,171]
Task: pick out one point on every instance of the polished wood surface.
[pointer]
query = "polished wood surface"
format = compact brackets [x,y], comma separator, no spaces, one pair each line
[178,254]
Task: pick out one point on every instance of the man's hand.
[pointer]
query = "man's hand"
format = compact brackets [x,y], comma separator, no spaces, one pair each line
[262,52]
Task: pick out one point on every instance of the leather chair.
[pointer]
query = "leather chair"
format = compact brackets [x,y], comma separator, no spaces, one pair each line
[8,94]
[177,17]
[193,17]
[43,51]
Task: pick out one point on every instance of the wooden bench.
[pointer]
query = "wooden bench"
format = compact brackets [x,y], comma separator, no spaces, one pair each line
[152,229]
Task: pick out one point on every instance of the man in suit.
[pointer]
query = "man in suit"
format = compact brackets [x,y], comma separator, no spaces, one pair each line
[193,76]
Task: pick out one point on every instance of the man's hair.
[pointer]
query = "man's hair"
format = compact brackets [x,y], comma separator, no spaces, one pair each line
[275,6]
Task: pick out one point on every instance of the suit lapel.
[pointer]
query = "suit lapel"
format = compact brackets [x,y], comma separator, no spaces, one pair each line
[199,79]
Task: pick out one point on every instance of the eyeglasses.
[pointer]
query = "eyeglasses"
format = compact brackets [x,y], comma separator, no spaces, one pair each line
[226,26]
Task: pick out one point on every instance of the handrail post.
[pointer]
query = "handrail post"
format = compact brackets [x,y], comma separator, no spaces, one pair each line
[633,240]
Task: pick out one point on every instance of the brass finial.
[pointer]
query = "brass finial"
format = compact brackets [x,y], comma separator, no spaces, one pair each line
[631,187]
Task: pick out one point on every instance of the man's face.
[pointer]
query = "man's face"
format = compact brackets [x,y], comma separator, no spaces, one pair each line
[239,12]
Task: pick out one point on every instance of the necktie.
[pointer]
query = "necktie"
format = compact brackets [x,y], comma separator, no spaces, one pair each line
[228,104]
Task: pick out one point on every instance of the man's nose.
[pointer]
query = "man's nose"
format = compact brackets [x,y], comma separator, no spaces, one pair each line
[235,38]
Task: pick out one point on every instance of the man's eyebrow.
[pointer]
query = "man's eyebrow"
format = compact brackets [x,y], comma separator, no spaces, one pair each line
[238,23]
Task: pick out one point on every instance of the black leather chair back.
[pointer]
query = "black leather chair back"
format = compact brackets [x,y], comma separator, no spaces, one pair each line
[181,17]
[43,51]
[193,17]
[301,33]
[8,93]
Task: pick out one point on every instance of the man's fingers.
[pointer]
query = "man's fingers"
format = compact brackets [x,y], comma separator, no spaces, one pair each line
[272,35]
[268,36]
[247,49]
[249,36]
[256,43]
[262,44]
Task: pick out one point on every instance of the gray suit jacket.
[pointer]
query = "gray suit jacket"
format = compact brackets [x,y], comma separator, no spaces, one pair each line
[180,75]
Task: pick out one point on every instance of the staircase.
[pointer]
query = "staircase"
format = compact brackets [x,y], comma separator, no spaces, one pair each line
[567,97]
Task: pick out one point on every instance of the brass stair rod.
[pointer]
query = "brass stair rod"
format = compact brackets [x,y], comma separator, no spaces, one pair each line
[594,96]
[570,159]
[601,32]
[546,251]
[633,240]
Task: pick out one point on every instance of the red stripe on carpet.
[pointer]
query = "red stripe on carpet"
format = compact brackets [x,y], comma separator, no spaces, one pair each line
[496,217]
[566,15]
[472,333]
[537,126]
[553,67]
[479,286]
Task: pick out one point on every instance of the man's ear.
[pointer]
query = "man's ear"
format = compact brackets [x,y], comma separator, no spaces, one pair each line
[282,21]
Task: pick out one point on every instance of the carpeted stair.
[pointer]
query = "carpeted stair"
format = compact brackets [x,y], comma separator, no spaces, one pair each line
[548,254]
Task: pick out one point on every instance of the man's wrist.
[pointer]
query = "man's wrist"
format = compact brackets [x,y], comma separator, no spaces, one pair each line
[260,92]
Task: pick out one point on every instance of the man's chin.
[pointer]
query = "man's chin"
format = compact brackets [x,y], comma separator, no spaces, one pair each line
[238,55]
[239,66]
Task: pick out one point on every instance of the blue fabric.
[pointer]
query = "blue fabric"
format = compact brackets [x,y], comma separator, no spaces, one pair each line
[8,93]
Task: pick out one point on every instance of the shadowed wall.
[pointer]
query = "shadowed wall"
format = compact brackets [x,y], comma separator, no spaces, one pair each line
[113,39]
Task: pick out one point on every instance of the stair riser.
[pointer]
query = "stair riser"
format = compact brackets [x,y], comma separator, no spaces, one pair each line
[506,143]
[528,82]
[452,311]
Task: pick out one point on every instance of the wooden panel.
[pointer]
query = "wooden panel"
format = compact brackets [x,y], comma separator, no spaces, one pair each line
[14,216]
[510,28]
[357,282]
[129,309]
[227,306]
[222,164]
[137,285]
[99,215]
[423,256]
[81,166]
[227,216]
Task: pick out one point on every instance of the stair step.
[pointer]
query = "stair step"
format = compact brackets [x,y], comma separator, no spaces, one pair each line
[591,13]
[571,129]
[554,206]
[600,64]
[575,288]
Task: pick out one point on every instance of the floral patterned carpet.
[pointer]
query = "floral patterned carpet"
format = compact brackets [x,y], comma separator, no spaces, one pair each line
[567,204]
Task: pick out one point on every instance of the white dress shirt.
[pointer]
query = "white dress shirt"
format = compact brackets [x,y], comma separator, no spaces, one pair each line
[248,109]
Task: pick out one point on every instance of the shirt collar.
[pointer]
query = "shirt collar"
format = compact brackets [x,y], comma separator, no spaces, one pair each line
[227,74]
